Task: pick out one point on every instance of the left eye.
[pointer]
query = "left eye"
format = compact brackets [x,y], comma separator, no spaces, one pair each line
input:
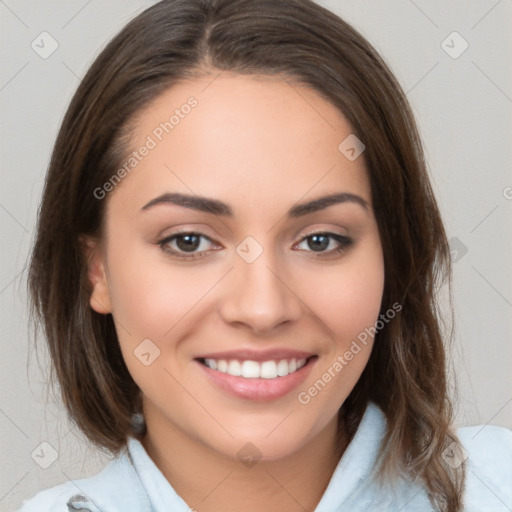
[322,240]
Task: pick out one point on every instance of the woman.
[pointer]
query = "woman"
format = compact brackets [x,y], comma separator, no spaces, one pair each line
[236,268]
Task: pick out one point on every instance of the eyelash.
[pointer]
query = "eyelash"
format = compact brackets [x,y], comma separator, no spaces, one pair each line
[343,241]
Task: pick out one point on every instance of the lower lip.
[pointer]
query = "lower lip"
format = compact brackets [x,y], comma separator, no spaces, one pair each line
[259,389]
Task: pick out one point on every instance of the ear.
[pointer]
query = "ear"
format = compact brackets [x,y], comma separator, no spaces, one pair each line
[100,297]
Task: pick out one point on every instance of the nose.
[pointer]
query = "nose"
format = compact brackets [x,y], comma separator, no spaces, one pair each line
[260,296]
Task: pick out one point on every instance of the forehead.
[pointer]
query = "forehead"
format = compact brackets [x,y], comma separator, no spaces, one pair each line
[249,137]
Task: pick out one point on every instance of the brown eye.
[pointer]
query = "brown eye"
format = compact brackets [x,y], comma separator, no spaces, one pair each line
[186,244]
[319,242]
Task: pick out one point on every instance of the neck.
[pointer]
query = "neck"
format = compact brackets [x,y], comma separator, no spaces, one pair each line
[208,481]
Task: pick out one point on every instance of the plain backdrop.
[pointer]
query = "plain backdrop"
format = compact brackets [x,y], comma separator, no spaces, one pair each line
[461,96]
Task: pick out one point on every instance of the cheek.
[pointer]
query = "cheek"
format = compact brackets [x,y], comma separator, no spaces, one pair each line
[157,302]
[350,303]
[348,300]
[150,296]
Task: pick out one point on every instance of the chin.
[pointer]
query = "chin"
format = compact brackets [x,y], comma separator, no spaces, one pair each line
[268,444]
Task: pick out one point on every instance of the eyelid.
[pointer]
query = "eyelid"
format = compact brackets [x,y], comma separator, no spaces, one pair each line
[320,231]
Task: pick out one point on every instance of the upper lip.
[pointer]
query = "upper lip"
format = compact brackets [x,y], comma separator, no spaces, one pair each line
[275,354]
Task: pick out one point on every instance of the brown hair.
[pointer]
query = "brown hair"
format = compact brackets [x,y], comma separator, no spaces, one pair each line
[298,39]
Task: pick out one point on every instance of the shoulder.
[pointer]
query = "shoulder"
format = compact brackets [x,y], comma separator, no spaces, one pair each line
[487,452]
[53,499]
[115,488]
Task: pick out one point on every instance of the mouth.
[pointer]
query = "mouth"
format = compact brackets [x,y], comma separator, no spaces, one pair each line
[250,369]
[257,377]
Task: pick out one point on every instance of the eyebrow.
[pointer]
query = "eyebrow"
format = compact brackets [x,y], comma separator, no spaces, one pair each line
[216,207]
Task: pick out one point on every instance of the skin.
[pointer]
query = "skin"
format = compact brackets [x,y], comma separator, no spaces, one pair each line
[261,145]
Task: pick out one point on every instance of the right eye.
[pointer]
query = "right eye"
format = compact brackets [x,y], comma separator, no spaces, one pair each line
[184,244]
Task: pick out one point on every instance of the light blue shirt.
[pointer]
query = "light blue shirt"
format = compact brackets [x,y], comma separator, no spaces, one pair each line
[132,482]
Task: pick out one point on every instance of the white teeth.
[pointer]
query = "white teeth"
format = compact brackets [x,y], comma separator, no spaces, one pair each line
[282,368]
[211,363]
[234,368]
[250,369]
[254,369]
[268,370]
[222,365]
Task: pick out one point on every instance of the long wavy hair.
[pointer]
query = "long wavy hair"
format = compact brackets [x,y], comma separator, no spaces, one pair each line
[406,375]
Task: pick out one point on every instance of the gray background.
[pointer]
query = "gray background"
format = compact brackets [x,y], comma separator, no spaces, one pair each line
[463,106]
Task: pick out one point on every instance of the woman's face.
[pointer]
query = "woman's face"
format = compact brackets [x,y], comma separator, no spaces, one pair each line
[249,274]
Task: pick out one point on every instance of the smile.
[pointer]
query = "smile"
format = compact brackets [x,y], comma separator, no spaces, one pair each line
[257,376]
[254,369]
